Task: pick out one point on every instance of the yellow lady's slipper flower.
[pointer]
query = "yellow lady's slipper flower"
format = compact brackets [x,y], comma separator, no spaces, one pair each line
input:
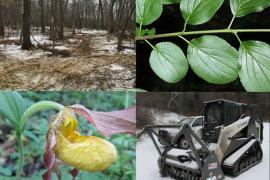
[87,153]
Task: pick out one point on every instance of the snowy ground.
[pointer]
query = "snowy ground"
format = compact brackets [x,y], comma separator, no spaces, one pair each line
[100,41]
[94,63]
[147,156]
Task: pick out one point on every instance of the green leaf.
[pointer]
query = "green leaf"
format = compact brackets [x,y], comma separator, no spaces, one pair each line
[254,59]
[213,59]
[199,11]
[145,32]
[147,11]
[169,62]
[170,1]
[12,106]
[241,8]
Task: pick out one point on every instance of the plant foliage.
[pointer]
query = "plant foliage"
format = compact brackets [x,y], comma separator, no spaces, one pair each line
[210,57]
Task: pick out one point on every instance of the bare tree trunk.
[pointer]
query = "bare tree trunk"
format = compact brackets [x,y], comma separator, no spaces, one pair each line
[42,22]
[2,26]
[26,25]
[127,20]
[73,17]
[100,13]
[61,11]
[111,28]
[52,24]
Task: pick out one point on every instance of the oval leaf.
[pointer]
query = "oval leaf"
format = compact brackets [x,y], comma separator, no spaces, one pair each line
[147,11]
[213,59]
[241,8]
[254,59]
[169,62]
[199,11]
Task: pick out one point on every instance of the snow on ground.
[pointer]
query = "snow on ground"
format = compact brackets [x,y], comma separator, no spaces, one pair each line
[147,156]
[99,40]
[41,39]
[14,51]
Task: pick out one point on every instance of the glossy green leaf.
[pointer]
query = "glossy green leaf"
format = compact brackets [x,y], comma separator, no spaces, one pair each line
[199,11]
[213,59]
[147,11]
[254,59]
[243,7]
[170,1]
[169,62]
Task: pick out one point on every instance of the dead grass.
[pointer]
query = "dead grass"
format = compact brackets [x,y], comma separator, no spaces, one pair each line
[83,70]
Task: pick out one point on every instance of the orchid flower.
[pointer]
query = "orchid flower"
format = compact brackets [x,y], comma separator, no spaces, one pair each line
[64,143]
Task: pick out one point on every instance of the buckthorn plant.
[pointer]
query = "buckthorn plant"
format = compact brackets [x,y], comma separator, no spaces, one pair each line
[209,56]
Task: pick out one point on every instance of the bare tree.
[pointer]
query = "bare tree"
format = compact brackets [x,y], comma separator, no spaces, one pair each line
[111,16]
[42,22]
[62,19]
[26,44]
[2,26]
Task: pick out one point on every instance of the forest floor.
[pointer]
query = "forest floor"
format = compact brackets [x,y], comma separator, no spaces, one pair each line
[93,63]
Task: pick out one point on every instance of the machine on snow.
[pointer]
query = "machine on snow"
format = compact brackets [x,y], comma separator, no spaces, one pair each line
[228,142]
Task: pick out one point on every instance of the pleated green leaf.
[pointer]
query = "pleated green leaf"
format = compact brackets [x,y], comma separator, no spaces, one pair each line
[169,62]
[254,59]
[213,59]
[12,106]
[243,7]
[199,11]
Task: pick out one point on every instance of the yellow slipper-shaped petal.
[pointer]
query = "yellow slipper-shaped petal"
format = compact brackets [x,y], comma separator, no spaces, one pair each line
[87,153]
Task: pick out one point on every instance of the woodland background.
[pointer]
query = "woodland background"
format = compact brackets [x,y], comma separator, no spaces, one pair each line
[190,103]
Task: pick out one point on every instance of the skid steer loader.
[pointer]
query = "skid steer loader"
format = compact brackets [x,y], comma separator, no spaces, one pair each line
[229,143]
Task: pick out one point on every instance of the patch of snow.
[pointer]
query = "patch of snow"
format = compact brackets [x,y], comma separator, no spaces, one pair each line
[129,51]
[147,156]
[61,47]
[73,40]
[93,31]
[12,38]
[41,39]
[15,52]
[116,67]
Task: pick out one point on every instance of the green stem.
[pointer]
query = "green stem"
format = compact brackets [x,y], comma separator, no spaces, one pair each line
[42,105]
[126,99]
[187,41]
[202,32]
[185,26]
[21,155]
[229,27]
[140,31]
[238,38]
[153,47]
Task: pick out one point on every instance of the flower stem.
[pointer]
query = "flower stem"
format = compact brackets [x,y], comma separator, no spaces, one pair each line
[40,106]
[21,155]
[217,31]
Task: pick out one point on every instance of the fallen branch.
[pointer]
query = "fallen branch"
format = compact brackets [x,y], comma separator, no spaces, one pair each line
[64,53]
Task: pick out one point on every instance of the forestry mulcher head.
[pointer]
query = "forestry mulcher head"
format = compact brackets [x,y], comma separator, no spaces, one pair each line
[228,142]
